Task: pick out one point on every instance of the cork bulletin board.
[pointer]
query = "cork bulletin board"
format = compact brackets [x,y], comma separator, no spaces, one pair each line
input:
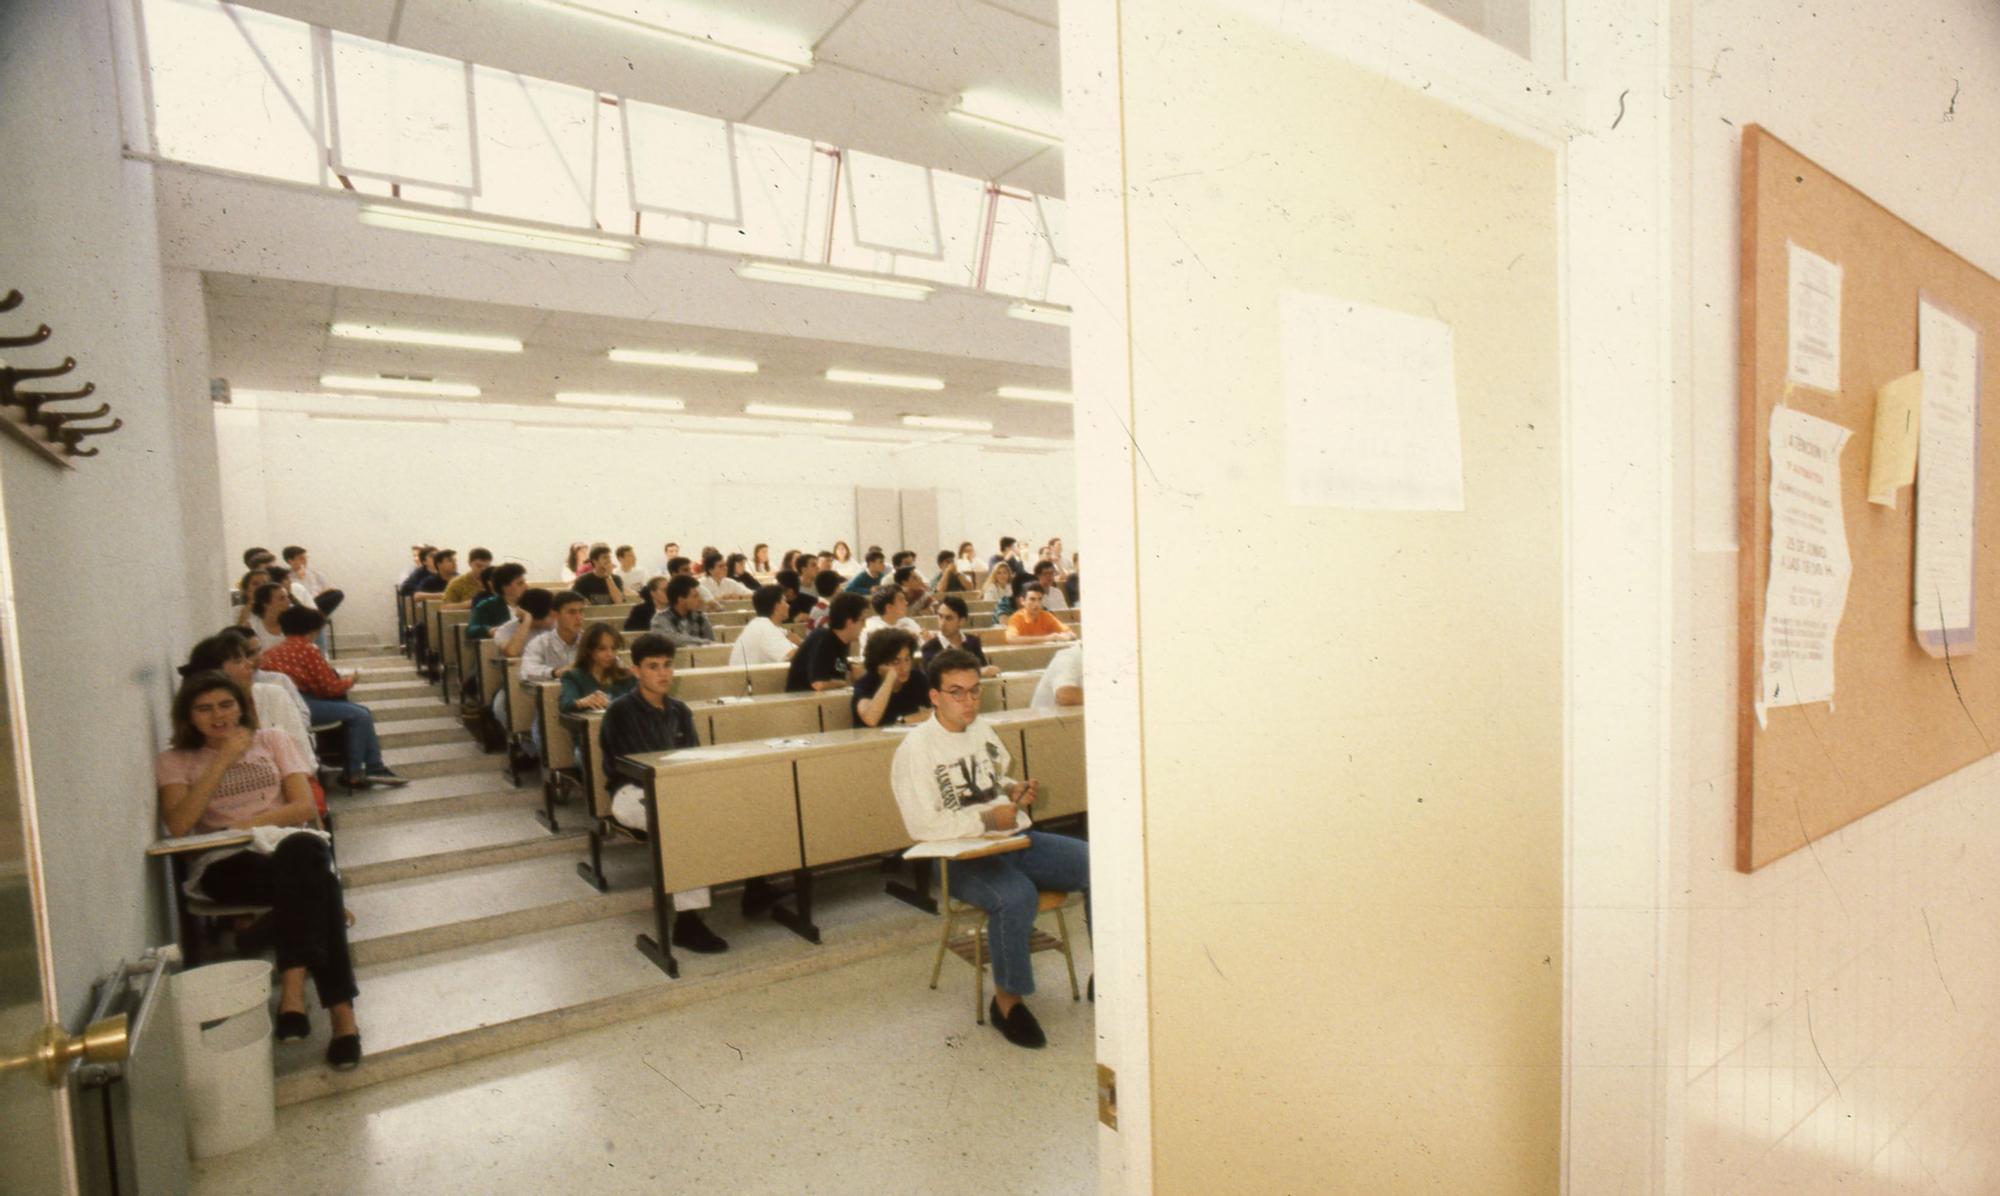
[1900,717]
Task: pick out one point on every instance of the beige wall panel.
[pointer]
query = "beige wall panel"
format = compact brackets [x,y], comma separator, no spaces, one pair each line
[1354,828]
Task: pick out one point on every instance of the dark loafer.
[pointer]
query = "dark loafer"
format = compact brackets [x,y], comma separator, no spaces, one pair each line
[293,1026]
[1018,1027]
[693,933]
[344,1052]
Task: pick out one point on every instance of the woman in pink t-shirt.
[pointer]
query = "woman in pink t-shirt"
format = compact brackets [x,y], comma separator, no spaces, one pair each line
[223,773]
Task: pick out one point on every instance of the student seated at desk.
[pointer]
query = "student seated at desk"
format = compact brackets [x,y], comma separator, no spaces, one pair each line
[875,572]
[267,602]
[595,677]
[794,604]
[950,780]
[951,633]
[999,589]
[1033,625]
[420,574]
[763,641]
[1052,595]
[533,613]
[892,609]
[550,653]
[245,589]
[826,584]
[821,662]
[279,707]
[504,584]
[652,600]
[683,622]
[716,584]
[916,591]
[325,693]
[737,568]
[1062,681]
[891,689]
[630,575]
[648,720]
[949,580]
[444,570]
[460,591]
[600,585]
[224,773]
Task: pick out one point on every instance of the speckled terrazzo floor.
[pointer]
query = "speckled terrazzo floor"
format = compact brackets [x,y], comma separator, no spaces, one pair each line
[858,1079]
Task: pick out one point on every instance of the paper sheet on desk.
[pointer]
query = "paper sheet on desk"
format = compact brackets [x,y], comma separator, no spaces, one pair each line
[789,742]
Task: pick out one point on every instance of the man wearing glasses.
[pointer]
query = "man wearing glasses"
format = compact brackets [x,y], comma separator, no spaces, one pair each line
[950,780]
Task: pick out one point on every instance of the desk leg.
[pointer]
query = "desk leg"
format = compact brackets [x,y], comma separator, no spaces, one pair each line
[593,870]
[798,919]
[658,946]
[547,814]
[918,891]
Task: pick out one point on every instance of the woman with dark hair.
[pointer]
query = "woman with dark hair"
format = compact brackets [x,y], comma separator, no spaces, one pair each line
[267,602]
[652,600]
[225,774]
[574,564]
[737,569]
[245,589]
[596,677]
[760,560]
[891,689]
[277,707]
[843,556]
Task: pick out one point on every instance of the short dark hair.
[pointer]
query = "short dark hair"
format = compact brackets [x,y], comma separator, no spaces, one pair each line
[874,554]
[479,554]
[659,581]
[827,583]
[903,573]
[444,553]
[844,609]
[1007,542]
[262,595]
[565,598]
[765,599]
[905,557]
[505,575]
[624,548]
[217,650]
[292,550]
[883,598]
[885,645]
[650,645]
[680,587]
[251,554]
[186,738]
[947,556]
[1035,587]
[300,620]
[677,563]
[1041,565]
[709,558]
[951,660]
[598,550]
[536,602]
[954,603]
[277,573]
[788,579]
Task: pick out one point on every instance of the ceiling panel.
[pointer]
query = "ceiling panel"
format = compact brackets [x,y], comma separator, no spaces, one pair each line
[948,46]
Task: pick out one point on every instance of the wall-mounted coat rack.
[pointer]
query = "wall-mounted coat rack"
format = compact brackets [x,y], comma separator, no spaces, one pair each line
[27,415]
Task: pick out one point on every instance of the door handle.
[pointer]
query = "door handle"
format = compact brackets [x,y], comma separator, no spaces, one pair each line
[54,1049]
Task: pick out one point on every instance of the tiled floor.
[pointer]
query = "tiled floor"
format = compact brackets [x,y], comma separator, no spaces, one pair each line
[858,1079]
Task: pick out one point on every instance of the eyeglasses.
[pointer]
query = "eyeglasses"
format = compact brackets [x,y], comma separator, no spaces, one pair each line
[960,692]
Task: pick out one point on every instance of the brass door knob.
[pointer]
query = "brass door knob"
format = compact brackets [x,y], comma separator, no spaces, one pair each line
[54,1049]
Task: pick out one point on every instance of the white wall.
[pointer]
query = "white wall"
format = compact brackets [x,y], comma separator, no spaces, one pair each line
[79,240]
[358,494]
[1839,1004]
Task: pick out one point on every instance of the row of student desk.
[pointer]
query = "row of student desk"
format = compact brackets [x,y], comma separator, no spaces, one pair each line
[735,811]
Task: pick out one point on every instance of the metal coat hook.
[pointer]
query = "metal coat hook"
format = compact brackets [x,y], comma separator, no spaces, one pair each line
[27,414]
[71,437]
[10,301]
[53,420]
[34,338]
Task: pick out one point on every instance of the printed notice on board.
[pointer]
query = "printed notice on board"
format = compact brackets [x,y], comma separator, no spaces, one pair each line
[1947,481]
[1371,407]
[1812,331]
[1809,562]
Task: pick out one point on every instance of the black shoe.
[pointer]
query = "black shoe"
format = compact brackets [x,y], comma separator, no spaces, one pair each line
[293,1026]
[344,1052]
[353,781]
[759,895]
[1018,1027]
[691,932]
[384,778]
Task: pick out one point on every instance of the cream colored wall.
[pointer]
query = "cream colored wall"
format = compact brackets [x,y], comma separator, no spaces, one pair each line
[1840,1004]
[1354,817]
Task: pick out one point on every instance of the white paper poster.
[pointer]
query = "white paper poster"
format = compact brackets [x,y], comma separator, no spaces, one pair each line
[1371,407]
[1813,325]
[1947,481]
[1807,593]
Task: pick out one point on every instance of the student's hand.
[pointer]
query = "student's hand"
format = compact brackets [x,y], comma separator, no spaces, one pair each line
[1025,797]
[235,744]
[596,701]
[991,670]
[888,673]
[998,818]
[1066,636]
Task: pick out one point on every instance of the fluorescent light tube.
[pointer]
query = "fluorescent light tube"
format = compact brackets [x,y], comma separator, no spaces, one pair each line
[1040,313]
[420,336]
[947,423]
[1000,112]
[832,280]
[385,421]
[684,361]
[825,415]
[633,402]
[493,232]
[754,46]
[1036,394]
[399,386]
[892,381]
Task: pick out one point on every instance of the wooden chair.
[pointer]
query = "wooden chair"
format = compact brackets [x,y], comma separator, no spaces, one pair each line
[971,945]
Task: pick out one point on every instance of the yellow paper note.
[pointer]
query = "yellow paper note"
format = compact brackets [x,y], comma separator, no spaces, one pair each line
[1892,459]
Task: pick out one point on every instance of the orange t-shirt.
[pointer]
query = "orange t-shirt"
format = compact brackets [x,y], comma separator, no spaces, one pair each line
[1041,623]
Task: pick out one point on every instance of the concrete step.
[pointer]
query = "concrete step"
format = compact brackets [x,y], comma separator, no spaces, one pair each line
[401,849]
[405,918]
[446,1007]
[423,732]
[367,691]
[441,759]
[392,710]
[430,797]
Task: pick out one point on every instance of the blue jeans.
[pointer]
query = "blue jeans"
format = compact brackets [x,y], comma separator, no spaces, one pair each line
[1008,886]
[364,751]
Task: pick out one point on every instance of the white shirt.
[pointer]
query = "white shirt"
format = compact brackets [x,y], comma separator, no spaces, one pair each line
[282,711]
[713,591]
[301,596]
[1063,671]
[1052,599]
[943,779]
[505,633]
[762,642]
[875,623]
[548,656]
[633,580]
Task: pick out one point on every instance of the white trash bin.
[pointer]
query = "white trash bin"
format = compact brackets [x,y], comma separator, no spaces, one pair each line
[226,1055]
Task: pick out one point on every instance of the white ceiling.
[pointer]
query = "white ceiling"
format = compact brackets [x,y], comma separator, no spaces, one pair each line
[267,334]
[884,76]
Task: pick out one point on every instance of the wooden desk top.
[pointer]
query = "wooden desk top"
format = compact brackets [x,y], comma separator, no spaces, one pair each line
[825,743]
